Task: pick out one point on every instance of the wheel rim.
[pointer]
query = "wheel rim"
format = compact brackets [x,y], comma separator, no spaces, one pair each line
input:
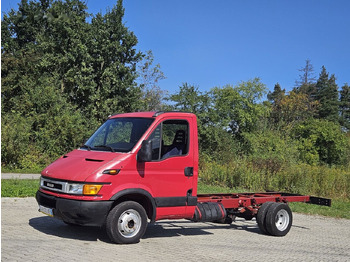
[282,220]
[129,223]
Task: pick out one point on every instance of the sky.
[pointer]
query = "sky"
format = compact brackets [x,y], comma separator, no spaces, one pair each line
[214,43]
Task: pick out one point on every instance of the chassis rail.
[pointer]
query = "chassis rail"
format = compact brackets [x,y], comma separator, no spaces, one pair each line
[256,199]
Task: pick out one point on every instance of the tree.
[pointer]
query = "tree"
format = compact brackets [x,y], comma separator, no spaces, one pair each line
[190,99]
[187,99]
[327,95]
[149,77]
[63,75]
[344,106]
[306,82]
[114,59]
[320,141]
[297,107]
[237,108]
[275,98]
[307,76]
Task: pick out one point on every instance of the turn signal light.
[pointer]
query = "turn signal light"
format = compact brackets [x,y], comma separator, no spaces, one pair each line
[91,189]
[111,171]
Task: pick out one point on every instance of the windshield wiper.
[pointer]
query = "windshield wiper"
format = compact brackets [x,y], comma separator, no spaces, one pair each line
[104,146]
[86,146]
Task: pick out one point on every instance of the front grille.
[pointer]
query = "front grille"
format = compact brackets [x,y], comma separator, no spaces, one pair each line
[53,185]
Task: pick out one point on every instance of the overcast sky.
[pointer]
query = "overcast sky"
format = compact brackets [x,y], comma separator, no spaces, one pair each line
[214,43]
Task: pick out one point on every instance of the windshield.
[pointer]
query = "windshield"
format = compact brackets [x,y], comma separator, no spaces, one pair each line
[118,134]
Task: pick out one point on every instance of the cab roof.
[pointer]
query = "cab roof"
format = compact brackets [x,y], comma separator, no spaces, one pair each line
[152,114]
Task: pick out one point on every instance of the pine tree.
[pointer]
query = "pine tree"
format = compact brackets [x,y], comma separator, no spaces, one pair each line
[344,106]
[307,76]
[306,82]
[327,95]
[275,98]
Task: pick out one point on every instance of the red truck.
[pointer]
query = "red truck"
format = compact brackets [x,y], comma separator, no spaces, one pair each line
[143,167]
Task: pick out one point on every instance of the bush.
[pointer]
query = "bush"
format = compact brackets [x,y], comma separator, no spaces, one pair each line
[15,137]
[321,141]
[292,178]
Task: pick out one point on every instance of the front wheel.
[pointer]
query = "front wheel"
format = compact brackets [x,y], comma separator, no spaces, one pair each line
[278,219]
[126,223]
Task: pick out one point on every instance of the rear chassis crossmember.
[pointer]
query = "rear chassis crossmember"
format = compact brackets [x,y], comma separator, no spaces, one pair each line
[246,205]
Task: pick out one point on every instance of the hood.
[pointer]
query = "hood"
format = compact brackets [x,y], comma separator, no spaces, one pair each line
[78,165]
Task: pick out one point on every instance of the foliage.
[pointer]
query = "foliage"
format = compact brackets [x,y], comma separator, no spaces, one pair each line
[61,77]
[236,108]
[296,107]
[149,77]
[344,106]
[293,178]
[320,141]
[327,95]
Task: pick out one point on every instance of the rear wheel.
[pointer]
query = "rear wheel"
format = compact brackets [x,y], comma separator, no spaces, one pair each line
[279,219]
[126,223]
[261,216]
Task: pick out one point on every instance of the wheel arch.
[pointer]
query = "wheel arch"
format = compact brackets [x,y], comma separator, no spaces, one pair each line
[141,196]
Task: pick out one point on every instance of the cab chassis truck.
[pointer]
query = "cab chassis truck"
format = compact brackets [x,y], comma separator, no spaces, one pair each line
[143,167]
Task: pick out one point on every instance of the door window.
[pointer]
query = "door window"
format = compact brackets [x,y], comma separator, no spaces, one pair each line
[170,139]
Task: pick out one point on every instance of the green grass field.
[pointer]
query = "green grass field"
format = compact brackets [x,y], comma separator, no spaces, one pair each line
[19,187]
[340,208]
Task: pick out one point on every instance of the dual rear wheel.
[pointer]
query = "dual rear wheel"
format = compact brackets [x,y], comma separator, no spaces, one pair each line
[274,218]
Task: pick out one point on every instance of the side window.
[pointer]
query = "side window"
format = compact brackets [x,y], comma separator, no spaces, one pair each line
[156,138]
[169,139]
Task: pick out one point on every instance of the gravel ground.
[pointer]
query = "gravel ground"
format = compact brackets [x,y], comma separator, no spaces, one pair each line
[28,235]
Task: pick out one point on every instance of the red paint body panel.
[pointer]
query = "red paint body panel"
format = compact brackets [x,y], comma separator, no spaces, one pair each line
[79,164]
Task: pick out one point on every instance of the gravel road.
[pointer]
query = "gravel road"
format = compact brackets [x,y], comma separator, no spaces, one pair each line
[27,235]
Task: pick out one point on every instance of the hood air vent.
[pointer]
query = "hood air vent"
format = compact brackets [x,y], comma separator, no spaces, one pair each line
[93,160]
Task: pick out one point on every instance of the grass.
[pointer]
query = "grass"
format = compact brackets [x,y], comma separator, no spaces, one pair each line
[22,171]
[340,208]
[19,187]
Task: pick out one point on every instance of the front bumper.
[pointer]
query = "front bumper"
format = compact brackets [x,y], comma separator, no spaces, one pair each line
[88,213]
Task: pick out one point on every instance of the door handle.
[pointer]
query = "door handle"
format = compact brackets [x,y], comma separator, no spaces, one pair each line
[189,171]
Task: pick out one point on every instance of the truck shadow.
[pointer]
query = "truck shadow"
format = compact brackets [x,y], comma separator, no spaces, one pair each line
[187,228]
[162,229]
[58,228]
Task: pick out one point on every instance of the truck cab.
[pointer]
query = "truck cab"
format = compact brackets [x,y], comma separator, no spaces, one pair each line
[136,167]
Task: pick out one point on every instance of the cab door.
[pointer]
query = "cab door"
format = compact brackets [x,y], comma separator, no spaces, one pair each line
[170,173]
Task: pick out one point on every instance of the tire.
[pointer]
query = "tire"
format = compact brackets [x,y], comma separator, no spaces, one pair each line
[279,219]
[126,223]
[261,217]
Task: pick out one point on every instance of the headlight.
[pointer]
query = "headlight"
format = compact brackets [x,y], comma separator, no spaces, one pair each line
[75,189]
[83,189]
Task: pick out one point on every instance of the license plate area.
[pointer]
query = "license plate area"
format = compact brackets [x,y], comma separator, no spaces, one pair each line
[46,210]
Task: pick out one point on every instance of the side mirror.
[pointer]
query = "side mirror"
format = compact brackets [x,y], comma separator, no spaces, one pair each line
[145,152]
